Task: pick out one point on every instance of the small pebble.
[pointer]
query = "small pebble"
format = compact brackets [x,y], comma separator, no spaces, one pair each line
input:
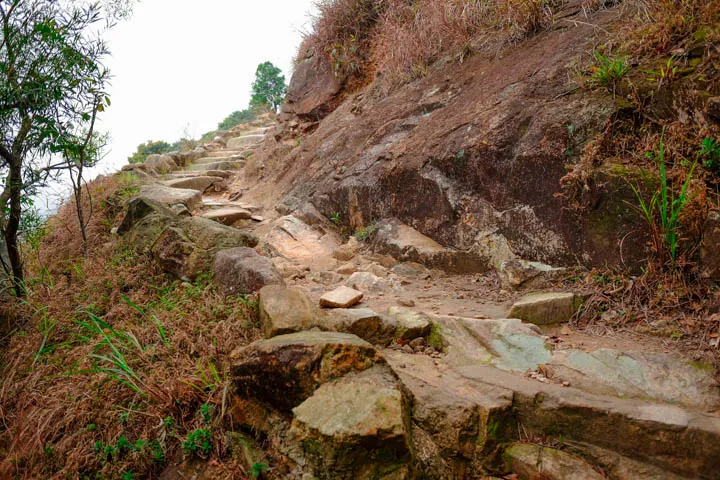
[407,349]
[406,302]
[430,350]
[416,342]
[566,384]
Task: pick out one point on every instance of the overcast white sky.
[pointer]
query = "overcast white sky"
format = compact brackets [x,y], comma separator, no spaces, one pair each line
[182,63]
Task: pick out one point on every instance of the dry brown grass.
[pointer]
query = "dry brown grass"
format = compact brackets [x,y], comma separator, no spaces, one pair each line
[401,39]
[56,404]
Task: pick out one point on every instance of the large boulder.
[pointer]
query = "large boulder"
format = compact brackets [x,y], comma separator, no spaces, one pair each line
[172,196]
[381,329]
[200,183]
[284,371]
[160,163]
[355,427]
[183,246]
[242,270]
[312,88]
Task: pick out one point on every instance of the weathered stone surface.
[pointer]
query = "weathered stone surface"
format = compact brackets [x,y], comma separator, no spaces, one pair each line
[533,461]
[544,308]
[200,183]
[244,141]
[458,423]
[227,215]
[407,244]
[169,196]
[223,174]
[508,344]
[160,163]
[295,240]
[286,370]
[369,282]
[408,323]
[312,88]
[354,427]
[619,467]
[228,165]
[658,376]
[710,247]
[367,324]
[241,270]
[288,310]
[341,297]
[516,274]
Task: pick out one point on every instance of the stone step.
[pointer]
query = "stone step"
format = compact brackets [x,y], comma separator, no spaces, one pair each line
[214,204]
[223,153]
[201,183]
[206,160]
[234,165]
[209,173]
[246,141]
[228,215]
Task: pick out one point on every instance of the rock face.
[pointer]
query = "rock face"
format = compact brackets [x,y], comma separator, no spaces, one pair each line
[241,271]
[284,371]
[533,461]
[341,297]
[407,244]
[355,427]
[312,89]
[544,308]
[287,310]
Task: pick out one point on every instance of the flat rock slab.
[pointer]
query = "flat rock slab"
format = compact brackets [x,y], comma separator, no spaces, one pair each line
[209,173]
[234,165]
[369,282]
[223,153]
[227,204]
[533,461]
[354,427]
[170,196]
[297,241]
[288,310]
[244,141]
[242,270]
[662,377]
[200,183]
[545,308]
[341,297]
[228,216]
[284,371]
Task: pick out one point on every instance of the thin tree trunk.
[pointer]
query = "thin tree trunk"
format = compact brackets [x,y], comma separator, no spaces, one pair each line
[13,226]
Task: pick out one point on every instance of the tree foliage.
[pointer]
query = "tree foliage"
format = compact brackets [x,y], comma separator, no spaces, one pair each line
[149,148]
[236,118]
[269,87]
[52,84]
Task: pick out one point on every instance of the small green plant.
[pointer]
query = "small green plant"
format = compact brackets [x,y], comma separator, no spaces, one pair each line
[158,325]
[206,412]
[363,234]
[710,154]
[662,211]
[257,469]
[335,218]
[129,475]
[666,73]
[198,442]
[606,71]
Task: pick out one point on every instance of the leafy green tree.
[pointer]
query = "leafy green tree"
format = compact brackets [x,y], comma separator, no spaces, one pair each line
[149,148]
[269,87]
[236,118]
[52,84]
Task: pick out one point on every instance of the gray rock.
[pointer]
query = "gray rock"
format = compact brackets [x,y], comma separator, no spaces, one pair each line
[369,282]
[341,297]
[160,163]
[245,141]
[241,271]
[228,215]
[170,196]
[545,308]
[288,310]
[355,427]
[516,274]
[534,461]
[662,377]
[200,183]
[408,323]
[366,324]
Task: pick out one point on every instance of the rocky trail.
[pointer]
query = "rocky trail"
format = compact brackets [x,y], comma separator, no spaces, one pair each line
[415,366]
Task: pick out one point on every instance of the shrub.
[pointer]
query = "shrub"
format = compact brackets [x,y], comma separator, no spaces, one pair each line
[149,148]
[236,118]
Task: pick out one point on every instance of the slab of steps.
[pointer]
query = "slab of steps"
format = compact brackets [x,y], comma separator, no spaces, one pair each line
[214,204]
[224,153]
[244,142]
[208,173]
[200,183]
[224,165]
[206,160]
